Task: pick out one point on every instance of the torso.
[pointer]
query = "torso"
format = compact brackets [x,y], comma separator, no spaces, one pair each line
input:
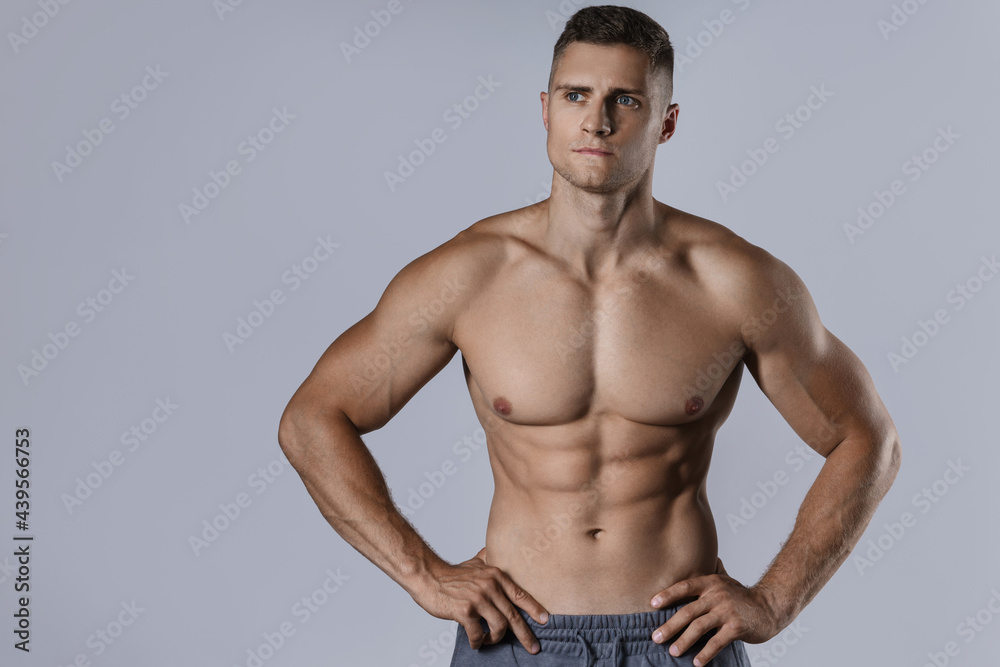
[600,401]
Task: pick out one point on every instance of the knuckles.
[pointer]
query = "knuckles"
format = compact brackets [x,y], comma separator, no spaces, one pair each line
[739,627]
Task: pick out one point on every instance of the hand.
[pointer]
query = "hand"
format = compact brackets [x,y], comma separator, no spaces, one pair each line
[722,602]
[472,590]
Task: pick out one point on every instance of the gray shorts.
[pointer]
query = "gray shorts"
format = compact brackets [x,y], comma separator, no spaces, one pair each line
[603,640]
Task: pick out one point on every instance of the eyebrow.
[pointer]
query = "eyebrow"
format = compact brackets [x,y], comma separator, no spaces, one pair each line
[614,92]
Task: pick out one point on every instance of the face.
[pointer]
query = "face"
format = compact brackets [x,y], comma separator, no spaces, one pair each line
[605,115]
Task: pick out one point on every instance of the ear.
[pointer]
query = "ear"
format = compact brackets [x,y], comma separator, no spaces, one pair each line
[669,123]
[545,110]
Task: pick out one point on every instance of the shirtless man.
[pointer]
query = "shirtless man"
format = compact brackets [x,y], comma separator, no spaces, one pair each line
[603,338]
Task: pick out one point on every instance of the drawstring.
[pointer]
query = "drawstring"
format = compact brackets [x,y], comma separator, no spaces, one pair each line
[618,656]
[586,648]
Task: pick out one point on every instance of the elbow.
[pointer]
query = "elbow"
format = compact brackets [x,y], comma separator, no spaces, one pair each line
[290,433]
[304,427]
[895,455]
[891,457]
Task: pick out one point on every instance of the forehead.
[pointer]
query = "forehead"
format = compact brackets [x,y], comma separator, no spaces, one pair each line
[603,65]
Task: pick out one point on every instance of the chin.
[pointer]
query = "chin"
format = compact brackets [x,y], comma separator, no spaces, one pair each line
[583,180]
[592,183]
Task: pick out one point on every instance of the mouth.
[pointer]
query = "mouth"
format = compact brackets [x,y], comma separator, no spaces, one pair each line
[592,151]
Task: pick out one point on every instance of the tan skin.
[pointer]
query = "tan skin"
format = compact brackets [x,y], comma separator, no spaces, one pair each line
[584,322]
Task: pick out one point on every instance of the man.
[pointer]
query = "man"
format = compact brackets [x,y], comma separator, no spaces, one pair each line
[603,338]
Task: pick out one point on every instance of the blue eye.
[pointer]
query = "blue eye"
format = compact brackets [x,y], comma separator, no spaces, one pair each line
[626,97]
[569,96]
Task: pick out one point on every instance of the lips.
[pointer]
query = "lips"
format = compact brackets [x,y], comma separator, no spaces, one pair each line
[592,151]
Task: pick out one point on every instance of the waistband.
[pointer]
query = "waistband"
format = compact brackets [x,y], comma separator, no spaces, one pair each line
[599,635]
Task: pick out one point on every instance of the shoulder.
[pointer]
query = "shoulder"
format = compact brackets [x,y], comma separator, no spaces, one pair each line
[458,269]
[759,290]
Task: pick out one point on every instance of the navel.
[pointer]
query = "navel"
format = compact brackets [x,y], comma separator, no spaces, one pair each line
[502,405]
[694,405]
[595,532]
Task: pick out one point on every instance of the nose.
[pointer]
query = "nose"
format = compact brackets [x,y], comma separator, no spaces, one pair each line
[597,120]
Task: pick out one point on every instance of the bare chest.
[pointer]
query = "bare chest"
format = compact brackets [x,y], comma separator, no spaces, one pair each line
[648,346]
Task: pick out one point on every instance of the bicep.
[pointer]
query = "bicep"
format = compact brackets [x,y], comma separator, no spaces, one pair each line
[376,366]
[820,387]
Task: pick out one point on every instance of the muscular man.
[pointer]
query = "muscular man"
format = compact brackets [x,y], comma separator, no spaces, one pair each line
[603,338]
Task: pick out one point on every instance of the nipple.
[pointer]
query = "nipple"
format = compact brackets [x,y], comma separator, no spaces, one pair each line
[694,405]
[502,405]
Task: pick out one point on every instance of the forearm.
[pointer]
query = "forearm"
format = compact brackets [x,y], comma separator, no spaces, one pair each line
[347,485]
[831,520]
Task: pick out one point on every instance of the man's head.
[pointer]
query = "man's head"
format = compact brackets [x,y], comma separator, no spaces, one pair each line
[610,25]
[608,104]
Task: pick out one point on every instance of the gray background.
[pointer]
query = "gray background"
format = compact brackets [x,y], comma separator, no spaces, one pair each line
[162,337]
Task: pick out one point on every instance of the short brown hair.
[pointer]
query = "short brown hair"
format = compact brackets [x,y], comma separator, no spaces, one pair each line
[610,24]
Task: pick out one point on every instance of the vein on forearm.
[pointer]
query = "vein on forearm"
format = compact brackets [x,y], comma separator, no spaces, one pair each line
[833,515]
[351,493]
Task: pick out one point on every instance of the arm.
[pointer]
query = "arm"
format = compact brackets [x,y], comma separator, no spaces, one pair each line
[826,395]
[362,380]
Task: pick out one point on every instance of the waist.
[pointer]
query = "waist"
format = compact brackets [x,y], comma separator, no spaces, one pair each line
[572,571]
[634,624]
[599,635]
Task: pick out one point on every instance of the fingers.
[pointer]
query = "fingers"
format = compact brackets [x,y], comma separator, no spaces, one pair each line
[474,629]
[494,602]
[523,599]
[498,622]
[681,618]
[512,619]
[694,632]
[712,649]
[687,588]
[704,621]
[470,621]
[512,594]
[715,611]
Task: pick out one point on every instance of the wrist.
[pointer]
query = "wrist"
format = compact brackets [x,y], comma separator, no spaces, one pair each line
[781,610]
[422,576]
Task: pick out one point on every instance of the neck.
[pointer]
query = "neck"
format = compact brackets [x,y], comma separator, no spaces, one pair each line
[594,232]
